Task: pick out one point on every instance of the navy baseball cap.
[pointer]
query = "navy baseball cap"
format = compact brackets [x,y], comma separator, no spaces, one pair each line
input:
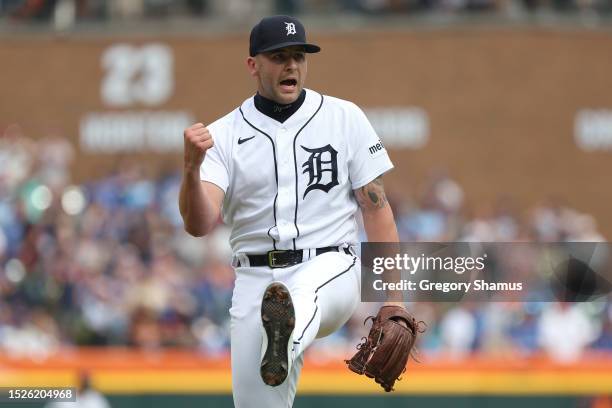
[275,32]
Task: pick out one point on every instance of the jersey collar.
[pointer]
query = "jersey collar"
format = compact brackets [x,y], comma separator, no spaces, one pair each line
[278,111]
[299,117]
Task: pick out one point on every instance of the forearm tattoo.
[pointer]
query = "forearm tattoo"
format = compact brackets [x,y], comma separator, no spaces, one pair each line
[372,195]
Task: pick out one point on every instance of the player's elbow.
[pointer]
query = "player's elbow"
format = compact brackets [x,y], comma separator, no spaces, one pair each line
[377,214]
[197,229]
[194,232]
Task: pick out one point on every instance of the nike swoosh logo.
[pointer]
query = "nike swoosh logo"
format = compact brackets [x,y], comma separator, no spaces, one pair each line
[241,141]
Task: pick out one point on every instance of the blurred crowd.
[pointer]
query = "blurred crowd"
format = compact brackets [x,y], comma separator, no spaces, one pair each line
[65,13]
[107,262]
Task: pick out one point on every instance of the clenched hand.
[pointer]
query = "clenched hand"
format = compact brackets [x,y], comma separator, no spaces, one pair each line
[197,141]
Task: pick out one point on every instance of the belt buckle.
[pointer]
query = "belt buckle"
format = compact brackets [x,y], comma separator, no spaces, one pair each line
[272,263]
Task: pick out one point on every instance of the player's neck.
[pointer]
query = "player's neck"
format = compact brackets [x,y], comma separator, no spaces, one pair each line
[277,111]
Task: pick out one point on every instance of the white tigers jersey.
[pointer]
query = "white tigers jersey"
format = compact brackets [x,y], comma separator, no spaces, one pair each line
[290,185]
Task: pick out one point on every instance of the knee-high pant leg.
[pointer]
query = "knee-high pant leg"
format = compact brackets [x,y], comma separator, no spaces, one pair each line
[325,292]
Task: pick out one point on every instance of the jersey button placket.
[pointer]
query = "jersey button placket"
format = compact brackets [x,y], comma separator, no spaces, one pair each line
[286,183]
[285,157]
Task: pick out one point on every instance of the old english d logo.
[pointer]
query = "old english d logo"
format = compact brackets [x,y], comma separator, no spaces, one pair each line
[322,169]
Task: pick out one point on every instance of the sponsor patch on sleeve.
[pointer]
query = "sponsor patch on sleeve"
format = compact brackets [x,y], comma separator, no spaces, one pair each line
[377,149]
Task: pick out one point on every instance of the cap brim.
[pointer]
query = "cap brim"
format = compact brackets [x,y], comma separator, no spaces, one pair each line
[309,48]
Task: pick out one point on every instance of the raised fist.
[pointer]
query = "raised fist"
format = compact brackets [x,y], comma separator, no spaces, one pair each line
[197,141]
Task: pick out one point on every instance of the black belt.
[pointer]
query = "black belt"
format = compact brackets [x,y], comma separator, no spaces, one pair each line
[285,258]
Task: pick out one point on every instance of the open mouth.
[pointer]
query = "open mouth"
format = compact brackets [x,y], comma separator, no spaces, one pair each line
[288,84]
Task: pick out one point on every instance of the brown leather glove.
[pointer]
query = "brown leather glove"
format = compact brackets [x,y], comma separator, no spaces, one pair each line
[384,354]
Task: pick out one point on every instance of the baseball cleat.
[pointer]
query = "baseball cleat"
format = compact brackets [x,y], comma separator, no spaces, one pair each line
[278,320]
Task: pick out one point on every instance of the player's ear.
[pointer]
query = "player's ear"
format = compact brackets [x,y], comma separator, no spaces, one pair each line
[251,63]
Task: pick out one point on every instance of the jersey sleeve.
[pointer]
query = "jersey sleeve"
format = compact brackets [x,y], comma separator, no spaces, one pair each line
[369,158]
[215,167]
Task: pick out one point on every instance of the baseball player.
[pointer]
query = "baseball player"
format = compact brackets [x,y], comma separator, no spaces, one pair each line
[288,169]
